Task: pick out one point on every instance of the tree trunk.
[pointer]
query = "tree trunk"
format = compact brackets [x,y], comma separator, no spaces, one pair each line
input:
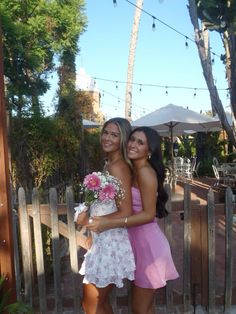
[229,41]
[202,42]
[132,49]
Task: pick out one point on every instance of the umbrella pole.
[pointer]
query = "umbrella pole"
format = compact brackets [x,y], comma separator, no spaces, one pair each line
[172,159]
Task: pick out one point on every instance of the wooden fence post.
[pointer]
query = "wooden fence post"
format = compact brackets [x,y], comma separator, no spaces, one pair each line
[228,248]
[26,247]
[73,248]
[55,250]
[6,233]
[168,233]
[187,249]
[211,252]
[38,242]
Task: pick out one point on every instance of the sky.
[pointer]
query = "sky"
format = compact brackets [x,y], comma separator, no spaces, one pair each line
[165,70]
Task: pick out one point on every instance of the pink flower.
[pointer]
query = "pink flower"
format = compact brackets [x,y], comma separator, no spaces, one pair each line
[108,192]
[92,182]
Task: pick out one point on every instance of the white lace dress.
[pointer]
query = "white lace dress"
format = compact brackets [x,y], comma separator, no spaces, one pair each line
[110,258]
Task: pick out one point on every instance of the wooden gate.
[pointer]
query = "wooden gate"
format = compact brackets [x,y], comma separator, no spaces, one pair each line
[202,239]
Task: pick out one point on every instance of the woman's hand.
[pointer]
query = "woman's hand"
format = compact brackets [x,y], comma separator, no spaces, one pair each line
[82,218]
[89,242]
[98,224]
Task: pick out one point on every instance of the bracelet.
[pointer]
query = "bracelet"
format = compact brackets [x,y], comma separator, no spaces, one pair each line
[126,220]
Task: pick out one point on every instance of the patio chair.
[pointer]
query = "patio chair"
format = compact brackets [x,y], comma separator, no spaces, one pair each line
[168,175]
[216,162]
[225,180]
[195,169]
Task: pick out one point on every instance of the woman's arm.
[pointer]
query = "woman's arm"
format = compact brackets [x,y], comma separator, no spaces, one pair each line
[147,183]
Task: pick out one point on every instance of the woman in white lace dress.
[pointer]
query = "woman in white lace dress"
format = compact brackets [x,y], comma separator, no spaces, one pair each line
[110,259]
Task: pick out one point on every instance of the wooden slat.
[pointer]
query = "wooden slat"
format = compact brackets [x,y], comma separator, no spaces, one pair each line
[113,299]
[16,254]
[211,252]
[196,267]
[55,250]
[45,210]
[26,247]
[169,235]
[63,228]
[39,252]
[187,247]
[228,247]
[204,256]
[74,249]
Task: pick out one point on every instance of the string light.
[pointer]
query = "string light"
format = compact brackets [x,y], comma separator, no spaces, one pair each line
[103,92]
[186,42]
[166,91]
[158,85]
[165,24]
[111,104]
[153,24]
[213,60]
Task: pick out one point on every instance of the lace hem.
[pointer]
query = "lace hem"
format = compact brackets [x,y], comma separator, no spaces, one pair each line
[103,282]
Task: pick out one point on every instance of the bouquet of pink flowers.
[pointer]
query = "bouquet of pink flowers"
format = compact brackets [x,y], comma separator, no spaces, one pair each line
[99,186]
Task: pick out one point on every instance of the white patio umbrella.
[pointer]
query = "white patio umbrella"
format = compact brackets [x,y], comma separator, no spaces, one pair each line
[177,120]
[87,124]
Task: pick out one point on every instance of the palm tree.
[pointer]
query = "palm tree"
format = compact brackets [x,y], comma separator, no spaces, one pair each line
[132,50]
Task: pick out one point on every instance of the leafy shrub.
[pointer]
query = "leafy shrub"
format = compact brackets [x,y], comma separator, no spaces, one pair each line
[17,307]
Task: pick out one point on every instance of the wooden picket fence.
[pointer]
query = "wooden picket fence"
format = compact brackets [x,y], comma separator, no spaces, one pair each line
[196,246]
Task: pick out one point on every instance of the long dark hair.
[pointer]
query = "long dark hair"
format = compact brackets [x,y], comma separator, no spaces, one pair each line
[156,161]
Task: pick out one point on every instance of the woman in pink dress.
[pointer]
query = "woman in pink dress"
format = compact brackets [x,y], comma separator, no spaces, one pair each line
[154,263]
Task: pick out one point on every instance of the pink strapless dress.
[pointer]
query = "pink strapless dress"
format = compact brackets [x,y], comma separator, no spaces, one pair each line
[154,263]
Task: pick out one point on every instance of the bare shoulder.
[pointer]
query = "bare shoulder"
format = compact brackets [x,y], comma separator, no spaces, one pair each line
[146,177]
[120,170]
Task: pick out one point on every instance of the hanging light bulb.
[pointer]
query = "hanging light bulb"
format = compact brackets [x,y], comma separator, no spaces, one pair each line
[114,3]
[153,24]
[213,60]
[116,85]
[140,88]
[166,91]
[186,41]
[195,93]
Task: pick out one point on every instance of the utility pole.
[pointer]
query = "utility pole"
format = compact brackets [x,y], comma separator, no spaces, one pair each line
[6,234]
